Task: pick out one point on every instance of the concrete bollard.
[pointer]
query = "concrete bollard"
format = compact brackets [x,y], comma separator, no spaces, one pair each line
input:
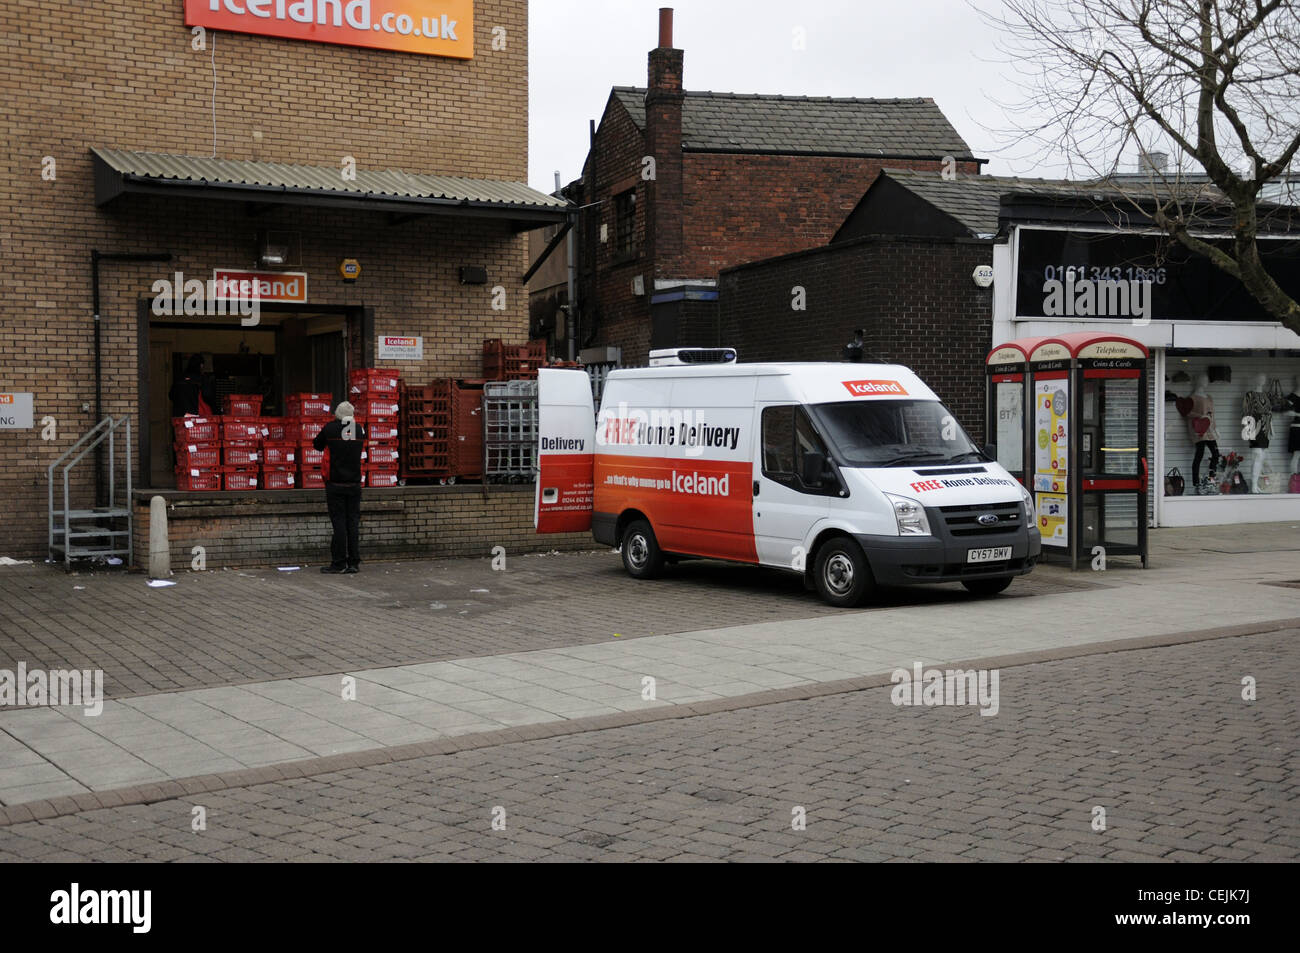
[160,551]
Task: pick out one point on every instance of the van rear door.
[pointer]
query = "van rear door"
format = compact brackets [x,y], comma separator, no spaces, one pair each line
[566,451]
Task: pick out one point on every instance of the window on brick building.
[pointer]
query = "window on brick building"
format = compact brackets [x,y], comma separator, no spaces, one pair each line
[625,223]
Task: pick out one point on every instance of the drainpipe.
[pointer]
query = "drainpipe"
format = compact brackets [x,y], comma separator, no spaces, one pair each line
[96,256]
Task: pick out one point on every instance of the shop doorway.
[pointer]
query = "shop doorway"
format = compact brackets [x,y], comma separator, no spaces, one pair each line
[292,349]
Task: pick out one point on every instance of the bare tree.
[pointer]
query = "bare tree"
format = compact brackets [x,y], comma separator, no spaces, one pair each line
[1219,80]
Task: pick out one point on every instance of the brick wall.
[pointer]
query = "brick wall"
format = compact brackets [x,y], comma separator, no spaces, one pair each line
[914,298]
[290,529]
[122,74]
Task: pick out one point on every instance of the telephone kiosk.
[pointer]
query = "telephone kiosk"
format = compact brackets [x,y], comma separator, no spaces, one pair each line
[1068,418]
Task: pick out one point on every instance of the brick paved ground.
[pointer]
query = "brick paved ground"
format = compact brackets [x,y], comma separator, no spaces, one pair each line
[1160,738]
[234,627]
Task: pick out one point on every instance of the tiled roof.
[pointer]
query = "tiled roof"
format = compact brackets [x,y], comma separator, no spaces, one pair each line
[732,122]
[975,200]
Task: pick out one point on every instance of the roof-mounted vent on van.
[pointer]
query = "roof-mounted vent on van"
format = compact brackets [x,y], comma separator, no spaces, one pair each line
[670,356]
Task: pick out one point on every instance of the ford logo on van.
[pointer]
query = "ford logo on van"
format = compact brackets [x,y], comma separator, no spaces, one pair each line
[988,519]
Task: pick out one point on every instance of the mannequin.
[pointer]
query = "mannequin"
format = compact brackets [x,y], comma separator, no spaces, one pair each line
[1258,405]
[1201,429]
[1293,432]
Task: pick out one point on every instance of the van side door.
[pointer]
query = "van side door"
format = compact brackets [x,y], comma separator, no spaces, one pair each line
[786,506]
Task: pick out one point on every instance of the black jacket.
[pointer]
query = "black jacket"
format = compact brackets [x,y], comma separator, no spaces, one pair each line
[342,463]
[186,391]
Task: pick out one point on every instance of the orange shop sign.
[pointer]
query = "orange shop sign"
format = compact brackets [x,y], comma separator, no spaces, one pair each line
[266,286]
[432,27]
[875,388]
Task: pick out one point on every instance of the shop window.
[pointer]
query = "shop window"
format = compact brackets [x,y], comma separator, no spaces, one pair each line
[625,223]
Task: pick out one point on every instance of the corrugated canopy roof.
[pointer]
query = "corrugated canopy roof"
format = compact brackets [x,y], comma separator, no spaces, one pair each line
[120,171]
[733,122]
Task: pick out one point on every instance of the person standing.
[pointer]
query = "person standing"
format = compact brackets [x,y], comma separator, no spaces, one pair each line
[193,392]
[342,440]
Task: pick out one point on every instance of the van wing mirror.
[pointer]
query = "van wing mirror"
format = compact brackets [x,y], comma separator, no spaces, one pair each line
[814,468]
[991,451]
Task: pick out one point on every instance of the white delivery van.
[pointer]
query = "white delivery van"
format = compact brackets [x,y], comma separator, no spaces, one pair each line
[854,475]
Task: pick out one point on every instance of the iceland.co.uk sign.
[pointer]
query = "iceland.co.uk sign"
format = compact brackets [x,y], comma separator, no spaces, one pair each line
[433,27]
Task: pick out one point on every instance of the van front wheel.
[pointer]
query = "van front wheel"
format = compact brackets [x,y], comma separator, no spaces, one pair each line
[841,573]
[642,557]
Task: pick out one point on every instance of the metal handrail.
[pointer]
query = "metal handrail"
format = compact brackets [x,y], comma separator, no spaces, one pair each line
[93,438]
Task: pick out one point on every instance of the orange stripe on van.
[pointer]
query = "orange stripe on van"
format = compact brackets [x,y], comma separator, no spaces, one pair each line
[700,507]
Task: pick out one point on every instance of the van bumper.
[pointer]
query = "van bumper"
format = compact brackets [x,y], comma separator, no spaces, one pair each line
[912,560]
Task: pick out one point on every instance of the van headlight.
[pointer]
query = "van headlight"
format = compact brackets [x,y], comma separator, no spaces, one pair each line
[910,515]
[1027,504]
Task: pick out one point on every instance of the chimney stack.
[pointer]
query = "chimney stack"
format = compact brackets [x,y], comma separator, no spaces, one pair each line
[663,115]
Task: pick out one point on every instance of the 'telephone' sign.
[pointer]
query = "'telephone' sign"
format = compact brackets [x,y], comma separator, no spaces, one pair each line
[433,27]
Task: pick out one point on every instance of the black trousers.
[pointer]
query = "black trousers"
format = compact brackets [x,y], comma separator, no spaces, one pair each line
[344,503]
[1201,447]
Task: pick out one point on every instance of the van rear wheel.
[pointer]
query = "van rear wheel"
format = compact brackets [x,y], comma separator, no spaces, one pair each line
[841,573]
[987,587]
[642,557]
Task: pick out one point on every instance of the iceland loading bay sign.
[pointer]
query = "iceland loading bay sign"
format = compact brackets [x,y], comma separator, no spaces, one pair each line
[394,348]
[15,411]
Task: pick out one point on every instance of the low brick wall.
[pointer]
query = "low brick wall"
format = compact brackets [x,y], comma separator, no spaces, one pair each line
[276,528]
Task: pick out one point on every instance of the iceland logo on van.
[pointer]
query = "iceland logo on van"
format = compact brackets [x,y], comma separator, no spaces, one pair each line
[875,388]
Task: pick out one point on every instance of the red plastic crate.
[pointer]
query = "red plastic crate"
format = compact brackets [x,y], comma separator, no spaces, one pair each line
[380,454]
[313,478]
[380,428]
[376,406]
[309,405]
[242,428]
[198,455]
[279,455]
[196,429]
[280,479]
[309,456]
[378,479]
[199,479]
[243,405]
[241,454]
[235,478]
[304,429]
[373,382]
[279,430]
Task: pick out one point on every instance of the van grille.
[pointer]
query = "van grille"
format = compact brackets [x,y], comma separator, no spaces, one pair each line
[964,520]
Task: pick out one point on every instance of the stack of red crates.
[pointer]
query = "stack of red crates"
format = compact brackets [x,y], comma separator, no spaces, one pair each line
[307,414]
[197,441]
[512,362]
[425,431]
[442,430]
[241,449]
[374,394]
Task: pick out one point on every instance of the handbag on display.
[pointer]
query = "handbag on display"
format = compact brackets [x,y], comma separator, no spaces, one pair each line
[1276,396]
[1295,483]
[1236,483]
[1174,483]
[1266,483]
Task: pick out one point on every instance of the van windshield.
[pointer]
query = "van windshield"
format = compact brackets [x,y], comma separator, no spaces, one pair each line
[895,433]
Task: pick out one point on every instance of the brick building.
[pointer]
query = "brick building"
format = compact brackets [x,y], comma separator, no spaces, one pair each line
[680,184]
[145,142]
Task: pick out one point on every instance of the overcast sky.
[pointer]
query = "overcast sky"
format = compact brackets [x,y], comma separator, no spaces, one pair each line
[865,48]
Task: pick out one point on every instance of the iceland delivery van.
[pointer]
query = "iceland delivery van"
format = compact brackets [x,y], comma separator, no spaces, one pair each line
[853,475]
